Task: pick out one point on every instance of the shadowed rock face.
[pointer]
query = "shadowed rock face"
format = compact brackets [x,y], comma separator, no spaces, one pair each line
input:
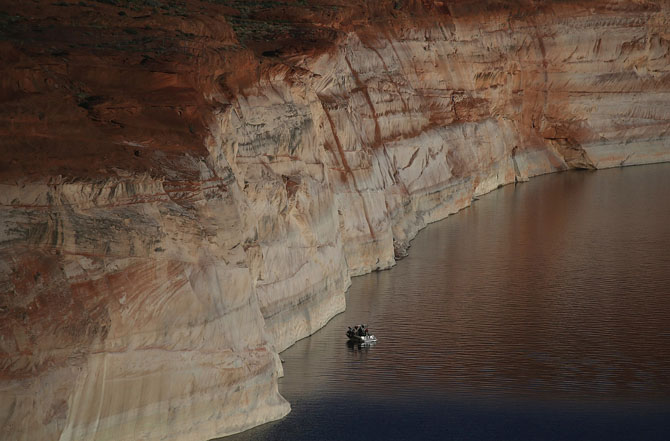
[186,187]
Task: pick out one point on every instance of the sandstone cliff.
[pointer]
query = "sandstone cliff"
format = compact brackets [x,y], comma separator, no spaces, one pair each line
[187,187]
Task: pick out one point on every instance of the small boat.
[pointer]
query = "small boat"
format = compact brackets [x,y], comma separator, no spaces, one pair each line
[363,339]
[357,336]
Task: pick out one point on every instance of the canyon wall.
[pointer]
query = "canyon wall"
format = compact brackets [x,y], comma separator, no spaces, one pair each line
[187,187]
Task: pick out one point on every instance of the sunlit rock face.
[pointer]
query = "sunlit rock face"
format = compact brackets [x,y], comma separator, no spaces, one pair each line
[129,306]
[186,190]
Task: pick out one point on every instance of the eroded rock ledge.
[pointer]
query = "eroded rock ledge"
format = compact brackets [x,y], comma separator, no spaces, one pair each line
[187,187]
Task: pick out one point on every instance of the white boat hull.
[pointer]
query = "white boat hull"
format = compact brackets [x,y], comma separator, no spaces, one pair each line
[363,339]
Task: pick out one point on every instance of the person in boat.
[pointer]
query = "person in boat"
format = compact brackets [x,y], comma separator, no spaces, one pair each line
[361,333]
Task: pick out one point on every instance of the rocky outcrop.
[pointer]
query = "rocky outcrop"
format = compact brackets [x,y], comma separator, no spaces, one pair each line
[188,187]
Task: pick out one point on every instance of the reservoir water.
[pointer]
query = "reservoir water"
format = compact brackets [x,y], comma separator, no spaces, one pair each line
[542,312]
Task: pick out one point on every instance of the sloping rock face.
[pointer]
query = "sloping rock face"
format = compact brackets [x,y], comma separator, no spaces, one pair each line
[187,187]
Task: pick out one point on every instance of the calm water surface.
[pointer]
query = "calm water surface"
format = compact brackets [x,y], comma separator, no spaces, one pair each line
[542,312]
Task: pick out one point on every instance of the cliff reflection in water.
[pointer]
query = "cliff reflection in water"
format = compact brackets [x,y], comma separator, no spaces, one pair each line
[539,312]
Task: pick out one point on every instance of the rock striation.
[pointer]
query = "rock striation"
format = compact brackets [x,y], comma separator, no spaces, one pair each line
[187,187]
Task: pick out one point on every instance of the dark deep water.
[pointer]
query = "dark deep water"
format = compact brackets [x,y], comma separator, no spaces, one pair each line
[542,312]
